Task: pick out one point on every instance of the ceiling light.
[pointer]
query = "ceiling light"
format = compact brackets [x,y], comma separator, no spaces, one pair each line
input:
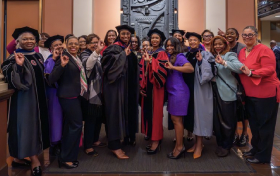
[278,16]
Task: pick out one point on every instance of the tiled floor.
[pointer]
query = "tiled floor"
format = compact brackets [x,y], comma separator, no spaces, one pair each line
[272,169]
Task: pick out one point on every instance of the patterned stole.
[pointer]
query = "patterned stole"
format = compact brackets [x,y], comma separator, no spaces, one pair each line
[83,80]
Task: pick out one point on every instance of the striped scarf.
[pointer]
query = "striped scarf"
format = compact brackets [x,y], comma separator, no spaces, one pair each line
[83,80]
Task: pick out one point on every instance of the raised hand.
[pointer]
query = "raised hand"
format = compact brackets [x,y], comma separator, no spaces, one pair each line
[64,60]
[221,33]
[146,56]
[56,52]
[100,46]
[219,59]
[198,56]
[19,57]
[169,65]
[127,50]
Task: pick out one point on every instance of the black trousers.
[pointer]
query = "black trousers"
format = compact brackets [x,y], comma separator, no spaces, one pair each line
[224,120]
[73,123]
[262,119]
[92,126]
[114,145]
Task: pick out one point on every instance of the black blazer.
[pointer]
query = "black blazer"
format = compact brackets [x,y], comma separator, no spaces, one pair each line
[67,78]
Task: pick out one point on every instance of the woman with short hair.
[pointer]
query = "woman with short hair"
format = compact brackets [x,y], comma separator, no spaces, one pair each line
[28,114]
[69,74]
[262,106]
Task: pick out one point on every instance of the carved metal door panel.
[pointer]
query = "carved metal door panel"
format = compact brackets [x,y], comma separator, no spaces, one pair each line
[144,15]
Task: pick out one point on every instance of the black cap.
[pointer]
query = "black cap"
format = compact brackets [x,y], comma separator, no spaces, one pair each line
[177,31]
[50,40]
[121,27]
[19,31]
[189,34]
[160,33]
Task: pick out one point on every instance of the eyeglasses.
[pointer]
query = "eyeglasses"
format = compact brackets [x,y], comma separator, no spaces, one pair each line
[134,42]
[250,35]
[207,36]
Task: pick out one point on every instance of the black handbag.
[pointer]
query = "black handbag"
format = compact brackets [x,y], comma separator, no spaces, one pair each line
[240,95]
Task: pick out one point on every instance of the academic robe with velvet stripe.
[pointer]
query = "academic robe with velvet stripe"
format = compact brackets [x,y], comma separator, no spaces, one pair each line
[120,91]
[28,114]
[152,80]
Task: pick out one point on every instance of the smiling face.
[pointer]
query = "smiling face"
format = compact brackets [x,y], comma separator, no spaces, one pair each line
[178,36]
[134,43]
[93,44]
[219,46]
[111,37]
[146,45]
[169,47]
[73,46]
[155,40]
[207,36]
[42,41]
[82,43]
[231,35]
[193,42]
[249,37]
[125,36]
[27,41]
[57,45]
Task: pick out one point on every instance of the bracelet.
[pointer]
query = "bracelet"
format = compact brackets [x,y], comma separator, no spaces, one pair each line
[250,74]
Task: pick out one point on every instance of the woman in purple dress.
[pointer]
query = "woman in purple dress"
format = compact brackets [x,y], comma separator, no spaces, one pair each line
[54,43]
[178,92]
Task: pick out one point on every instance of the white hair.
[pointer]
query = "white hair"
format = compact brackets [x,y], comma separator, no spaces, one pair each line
[18,40]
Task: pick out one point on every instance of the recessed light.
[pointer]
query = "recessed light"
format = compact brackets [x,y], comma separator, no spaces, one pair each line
[278,16]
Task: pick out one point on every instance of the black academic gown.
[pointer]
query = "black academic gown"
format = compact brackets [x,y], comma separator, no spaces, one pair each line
[120,92]
[28,114]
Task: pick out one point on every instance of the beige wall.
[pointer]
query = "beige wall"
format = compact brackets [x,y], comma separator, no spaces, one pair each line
[191,15]
[57,17]
[240,13]
[106,15]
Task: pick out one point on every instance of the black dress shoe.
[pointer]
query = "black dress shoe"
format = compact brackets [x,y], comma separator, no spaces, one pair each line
[37,171]
[23,164]
[254,161]
[223,152]
[248,154]
[67,166]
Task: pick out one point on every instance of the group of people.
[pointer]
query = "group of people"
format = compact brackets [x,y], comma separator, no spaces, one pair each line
[65,81]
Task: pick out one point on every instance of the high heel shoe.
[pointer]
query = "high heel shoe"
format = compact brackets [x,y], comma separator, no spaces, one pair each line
[120,155]
[150,145]
[151,152]
[37,171]
[191,150]
[195,156]
[182,152]
[67,166]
